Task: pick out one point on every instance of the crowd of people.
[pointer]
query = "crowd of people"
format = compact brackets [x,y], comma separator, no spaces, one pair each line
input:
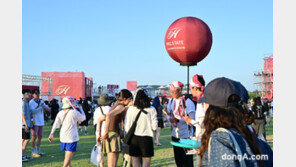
[217,115]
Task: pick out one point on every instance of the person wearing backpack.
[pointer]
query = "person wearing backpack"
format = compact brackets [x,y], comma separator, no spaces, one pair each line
[227,140]
[99,120]
[141,147]
[178,108]
[68,118]
[259,112]
[197,84]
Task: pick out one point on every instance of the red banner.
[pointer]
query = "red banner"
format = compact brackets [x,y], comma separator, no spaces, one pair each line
[131,85]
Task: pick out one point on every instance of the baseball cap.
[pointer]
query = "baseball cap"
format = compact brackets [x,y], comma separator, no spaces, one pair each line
[176,85]
[218,91]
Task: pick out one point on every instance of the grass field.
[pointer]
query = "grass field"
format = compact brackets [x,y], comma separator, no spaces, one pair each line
[163,155]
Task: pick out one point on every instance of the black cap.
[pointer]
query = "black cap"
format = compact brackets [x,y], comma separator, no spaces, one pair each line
[218,91]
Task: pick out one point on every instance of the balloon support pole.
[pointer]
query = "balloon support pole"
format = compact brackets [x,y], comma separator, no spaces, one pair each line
[188,65]
[187,80]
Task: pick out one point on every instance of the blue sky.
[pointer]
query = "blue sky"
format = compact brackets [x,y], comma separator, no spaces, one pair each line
[119,41]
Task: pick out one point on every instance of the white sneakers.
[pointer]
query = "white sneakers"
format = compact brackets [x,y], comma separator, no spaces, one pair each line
[35,155]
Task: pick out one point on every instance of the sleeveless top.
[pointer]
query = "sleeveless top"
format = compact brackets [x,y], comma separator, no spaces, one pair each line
[115,122]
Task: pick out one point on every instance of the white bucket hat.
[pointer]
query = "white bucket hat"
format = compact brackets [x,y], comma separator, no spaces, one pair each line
[68,102]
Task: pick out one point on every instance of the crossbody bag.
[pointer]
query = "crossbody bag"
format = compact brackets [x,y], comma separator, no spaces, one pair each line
[131,132]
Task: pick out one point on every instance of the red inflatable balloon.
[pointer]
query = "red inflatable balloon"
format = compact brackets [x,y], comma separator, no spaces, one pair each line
[188,40]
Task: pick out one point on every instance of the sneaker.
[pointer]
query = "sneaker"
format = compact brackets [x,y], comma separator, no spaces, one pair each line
[24,159]
[28,157]
[35,155]
[159,144]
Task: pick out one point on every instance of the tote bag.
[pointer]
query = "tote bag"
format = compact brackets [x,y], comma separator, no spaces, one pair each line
[95,157]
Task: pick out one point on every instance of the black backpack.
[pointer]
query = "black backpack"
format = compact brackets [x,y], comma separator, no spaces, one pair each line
[189,96]
[258,111]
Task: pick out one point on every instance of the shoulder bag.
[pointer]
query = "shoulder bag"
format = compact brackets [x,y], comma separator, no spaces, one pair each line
[128,137]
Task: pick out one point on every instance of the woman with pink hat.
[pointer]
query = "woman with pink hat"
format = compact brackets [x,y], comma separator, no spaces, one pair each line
[196,88]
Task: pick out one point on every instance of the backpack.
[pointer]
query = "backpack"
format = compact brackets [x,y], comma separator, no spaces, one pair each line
[258,111]
[191,98]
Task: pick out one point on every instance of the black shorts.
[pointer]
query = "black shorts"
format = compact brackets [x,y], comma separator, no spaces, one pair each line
[141,146]
[26,135]
[160,123]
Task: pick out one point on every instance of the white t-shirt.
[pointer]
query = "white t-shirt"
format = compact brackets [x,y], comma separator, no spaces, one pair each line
[182,131]
[146,124]
[199,117]
[68,132]
[38,117]
[97,115]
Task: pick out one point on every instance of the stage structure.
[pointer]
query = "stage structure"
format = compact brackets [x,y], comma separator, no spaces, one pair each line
[264,79]
[32,82]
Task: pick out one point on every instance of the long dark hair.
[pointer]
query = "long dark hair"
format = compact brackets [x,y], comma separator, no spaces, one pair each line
[235,115]
[228,117]
[142,100]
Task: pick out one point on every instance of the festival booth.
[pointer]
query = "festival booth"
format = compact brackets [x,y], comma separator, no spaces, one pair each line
[73,84]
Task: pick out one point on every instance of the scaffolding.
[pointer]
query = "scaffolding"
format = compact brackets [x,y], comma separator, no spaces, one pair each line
[33,80]
[264,79]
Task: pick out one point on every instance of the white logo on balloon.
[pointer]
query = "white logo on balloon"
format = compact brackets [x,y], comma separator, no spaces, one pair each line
[173,33]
